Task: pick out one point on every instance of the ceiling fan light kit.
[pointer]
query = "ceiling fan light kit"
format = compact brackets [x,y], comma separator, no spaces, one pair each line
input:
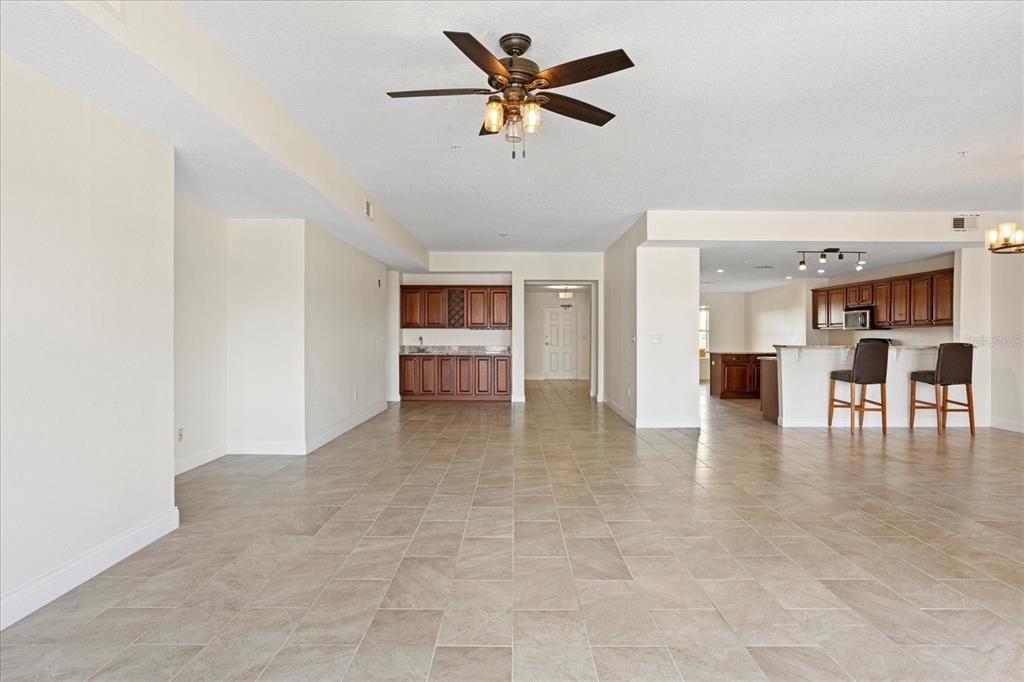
[513,102]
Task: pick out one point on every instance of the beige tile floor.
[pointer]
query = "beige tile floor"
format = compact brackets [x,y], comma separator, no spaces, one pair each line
[551,541]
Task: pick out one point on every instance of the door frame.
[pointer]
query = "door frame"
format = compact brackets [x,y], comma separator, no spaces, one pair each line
[575,339]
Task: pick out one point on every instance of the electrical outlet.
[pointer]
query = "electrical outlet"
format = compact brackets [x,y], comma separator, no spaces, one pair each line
[181,434]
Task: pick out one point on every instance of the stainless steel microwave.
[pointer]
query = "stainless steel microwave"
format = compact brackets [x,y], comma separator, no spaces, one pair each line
[857,318]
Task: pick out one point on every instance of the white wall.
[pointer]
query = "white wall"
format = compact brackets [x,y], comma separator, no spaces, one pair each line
[346,309]
[86,340]
[526,266]
[727,319]
[534,336]
[667,374]
[200,334]
[620,319]
[392,334]
[782,315]
[1007,341]
[266,348]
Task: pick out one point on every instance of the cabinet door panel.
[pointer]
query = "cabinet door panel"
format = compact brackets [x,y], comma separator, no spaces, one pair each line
[464,375]
[900,291]
[921,300]
[820,309]
[428,374]
[476,308]
[852,295]
[735,378]
[865,296]
[501,308]
[502,376]
[482,376]
[942,298]
[883,305]
[435,306]
[412,307]
[836,305]
[445,375]
[409,376]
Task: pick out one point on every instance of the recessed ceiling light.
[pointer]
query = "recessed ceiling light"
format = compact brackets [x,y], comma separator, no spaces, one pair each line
[820,270]
[719,270]
[503,234]
[789,276]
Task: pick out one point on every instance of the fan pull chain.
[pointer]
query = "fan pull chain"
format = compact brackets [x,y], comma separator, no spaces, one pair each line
[524,144]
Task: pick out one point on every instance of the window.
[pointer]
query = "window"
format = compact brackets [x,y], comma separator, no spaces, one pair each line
[703,328]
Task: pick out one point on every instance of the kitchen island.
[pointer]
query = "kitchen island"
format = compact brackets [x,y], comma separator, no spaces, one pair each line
[803,382]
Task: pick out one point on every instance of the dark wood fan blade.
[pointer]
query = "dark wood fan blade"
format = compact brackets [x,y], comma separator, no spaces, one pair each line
[586,68]
[485,131]
[440,93]
[478,54]
[573,108]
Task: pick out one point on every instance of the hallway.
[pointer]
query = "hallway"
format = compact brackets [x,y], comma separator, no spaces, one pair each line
[551,541]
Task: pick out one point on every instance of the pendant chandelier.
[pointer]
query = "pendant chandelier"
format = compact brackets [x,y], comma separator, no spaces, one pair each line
[1007,238]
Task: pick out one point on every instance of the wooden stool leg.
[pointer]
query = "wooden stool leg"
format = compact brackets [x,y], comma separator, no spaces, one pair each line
[853,405]
[883,409]
[913,401]
[863,396]
[938,408]
[945,405]
[831,400]
[970,406]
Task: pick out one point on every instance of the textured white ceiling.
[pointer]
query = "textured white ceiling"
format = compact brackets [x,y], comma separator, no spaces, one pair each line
[732,105]
[739,260]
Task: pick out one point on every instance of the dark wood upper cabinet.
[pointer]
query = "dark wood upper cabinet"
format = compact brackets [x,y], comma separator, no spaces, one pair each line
[500,308]
[865,294]
[942,298]
[836,306]
[476,309]
[900,305]
[883,304]
[456,308]
[412,307]
[435,306]
[502,375]
[921,300]
[820,309]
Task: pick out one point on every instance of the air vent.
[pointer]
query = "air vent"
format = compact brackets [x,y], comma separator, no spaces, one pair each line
[966,222]
[368,209]
[764,267]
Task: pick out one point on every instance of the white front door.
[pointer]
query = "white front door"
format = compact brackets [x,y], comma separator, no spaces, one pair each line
[559,342]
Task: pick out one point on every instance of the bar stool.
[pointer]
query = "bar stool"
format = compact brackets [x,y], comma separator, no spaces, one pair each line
[870,365]
[953,368]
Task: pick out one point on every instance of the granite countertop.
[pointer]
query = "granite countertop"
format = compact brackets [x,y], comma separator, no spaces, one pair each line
[455,350]
[896,346]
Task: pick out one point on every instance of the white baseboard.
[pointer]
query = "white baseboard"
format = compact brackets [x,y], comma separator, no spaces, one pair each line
[668,423]
[1007,425]
[195,459]
[23,600]
[253,447]
[326,436]
[621,411]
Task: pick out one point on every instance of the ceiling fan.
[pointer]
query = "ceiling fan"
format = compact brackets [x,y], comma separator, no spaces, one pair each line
[519,89]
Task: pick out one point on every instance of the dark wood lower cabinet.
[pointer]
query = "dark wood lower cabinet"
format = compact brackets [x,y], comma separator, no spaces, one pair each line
[736,375]
[455,377]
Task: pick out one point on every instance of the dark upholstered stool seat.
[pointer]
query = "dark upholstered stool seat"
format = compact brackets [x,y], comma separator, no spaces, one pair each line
[843,375]
[925,375]
[954,368]
[870,365]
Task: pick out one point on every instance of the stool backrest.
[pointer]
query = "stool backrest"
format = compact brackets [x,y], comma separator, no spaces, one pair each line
[870,362]
[955,365]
